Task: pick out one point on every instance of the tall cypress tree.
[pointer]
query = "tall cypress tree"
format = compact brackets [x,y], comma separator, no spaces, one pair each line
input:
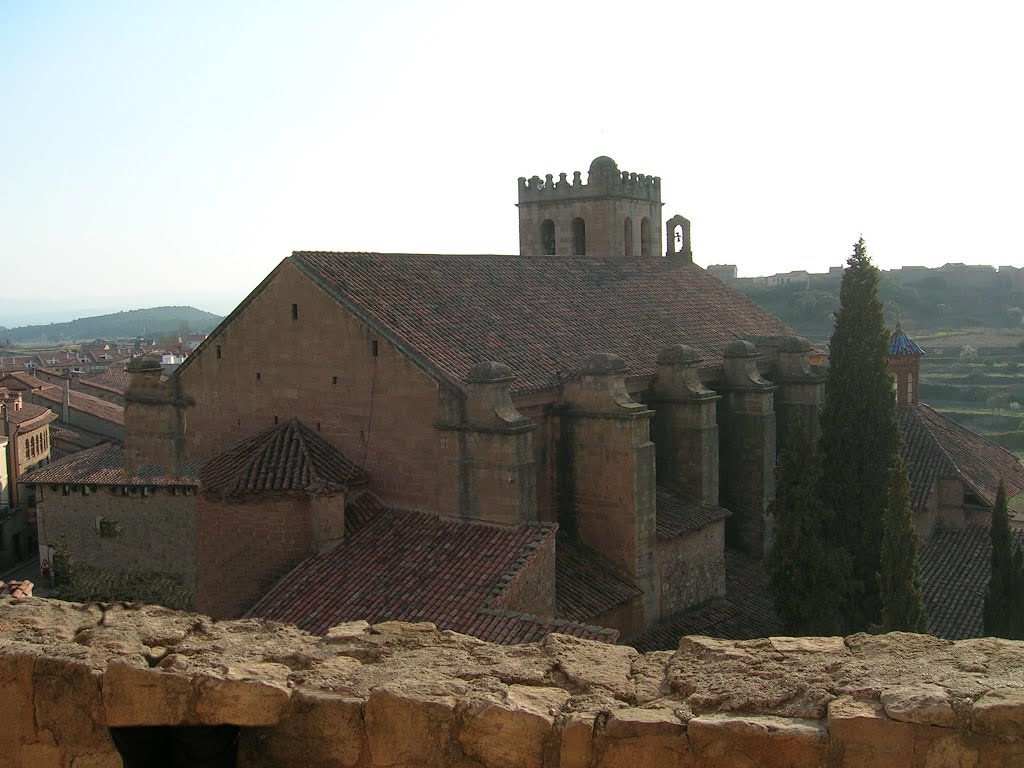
[1004,603]
[859,434]
[806,573]
[899,578]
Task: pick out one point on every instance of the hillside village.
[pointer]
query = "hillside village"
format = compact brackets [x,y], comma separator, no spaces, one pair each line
[581,437]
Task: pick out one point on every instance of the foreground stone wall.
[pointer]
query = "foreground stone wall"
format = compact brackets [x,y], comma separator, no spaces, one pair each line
[408,695]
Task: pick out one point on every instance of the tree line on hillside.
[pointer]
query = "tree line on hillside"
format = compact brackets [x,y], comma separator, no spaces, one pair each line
[936,301]
[153,322]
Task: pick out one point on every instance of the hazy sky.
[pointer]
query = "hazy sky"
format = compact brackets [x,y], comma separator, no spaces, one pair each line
[175,152]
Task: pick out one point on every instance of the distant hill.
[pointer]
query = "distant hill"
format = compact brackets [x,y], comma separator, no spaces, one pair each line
[154,322]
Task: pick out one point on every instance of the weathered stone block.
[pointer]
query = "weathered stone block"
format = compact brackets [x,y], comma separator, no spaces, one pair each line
[406,728]
[69,704]
[331,722]
[728,741]
[924,704]
[512,733]
[1000,712]
[653,738]
[861,735]
[136,696]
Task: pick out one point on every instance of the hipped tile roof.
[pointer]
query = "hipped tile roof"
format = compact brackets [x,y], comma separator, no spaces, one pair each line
[587,585]
[286,457]
[935,446]
[678,514]
[540,316]
[80,401]
[901,344]
[955,570]
[107,465]
[111,380]
[398,564]
[747,611]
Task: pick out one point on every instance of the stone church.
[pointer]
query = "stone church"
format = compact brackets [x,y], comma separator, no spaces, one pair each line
[580,438]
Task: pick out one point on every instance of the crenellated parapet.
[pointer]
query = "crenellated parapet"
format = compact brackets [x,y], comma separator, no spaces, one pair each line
[604,179]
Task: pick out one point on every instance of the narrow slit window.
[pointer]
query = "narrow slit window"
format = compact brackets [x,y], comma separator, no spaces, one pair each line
[374,349]
[334,380]
[295,311]
[259,376]
[218,352]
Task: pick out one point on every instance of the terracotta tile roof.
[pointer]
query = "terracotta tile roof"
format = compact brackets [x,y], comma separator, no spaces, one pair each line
[678,515]
[286,457]
[74,436]
[28,413]
[413,566]
[80,401]
[106,465]
[587,585]
[955,569]
[22,381]
[935,446]
[746,612]
[112,380]
[540,316]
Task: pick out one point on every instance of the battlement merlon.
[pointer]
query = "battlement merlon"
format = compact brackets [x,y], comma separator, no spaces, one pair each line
[603,180]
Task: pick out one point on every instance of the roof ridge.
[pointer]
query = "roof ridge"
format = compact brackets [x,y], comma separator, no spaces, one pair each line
[305,458]
[961,472]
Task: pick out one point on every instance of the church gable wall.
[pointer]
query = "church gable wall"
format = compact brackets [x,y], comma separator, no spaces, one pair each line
[294,351]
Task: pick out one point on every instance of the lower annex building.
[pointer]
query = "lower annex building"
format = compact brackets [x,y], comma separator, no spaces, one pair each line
[580,437]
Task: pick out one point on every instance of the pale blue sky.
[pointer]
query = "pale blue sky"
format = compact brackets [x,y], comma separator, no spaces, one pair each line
[175,152]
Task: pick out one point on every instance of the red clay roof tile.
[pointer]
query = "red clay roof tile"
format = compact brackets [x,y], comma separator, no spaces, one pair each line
[540,316]
[935,446]
[286,457]
[397,564]
[106,465]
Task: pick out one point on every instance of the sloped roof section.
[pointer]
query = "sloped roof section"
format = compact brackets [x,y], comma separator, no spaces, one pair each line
[678,514]
[286,457]
[107,465]
[955,570]
[115,380]
[936,446]
[586,584]
[29,413]
[901,344]
[404,565]
[540,316]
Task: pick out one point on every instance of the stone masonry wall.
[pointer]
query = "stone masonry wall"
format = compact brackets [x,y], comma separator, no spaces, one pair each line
[408,695]
[245,548]
[691,568]
[532,590]
[154,533]
[320,368]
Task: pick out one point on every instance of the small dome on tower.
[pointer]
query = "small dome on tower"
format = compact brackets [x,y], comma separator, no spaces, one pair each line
[901,344]
[604,164]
